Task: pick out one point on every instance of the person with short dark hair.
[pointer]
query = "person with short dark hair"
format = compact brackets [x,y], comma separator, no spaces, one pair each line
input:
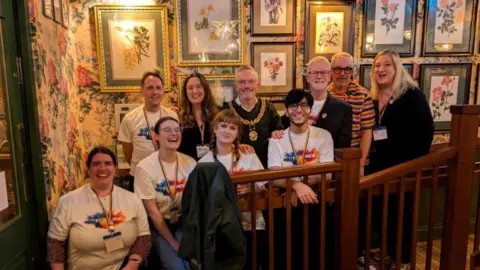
[97,213]
[136,129]
[160,180]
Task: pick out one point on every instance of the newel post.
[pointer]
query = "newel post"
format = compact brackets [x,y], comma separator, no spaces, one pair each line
[463,135]
[346,208]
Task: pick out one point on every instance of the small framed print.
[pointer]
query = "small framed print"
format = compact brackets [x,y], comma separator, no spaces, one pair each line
[275,64]
[389,24]
[210,33]
[47,7]
[366,70]
[221,85]
[65,14]
[273,17]
[330,28]
[445,85]
[130,41]
[57,11]
[449,27]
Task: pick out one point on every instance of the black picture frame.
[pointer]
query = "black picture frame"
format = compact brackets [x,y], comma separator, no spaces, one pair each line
[465,47]
[438,105]
[273,31]
[405,49]
[364,74]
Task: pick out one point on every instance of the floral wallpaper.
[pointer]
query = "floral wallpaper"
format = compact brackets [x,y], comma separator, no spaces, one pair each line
[74,115]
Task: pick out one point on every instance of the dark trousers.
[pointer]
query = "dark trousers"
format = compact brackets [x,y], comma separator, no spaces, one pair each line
[262,249]
[392,224]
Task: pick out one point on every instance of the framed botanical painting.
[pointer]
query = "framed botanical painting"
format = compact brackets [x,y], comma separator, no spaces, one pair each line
[57,11]
[275,64]
[273,17]
[366,70]
[65,14]
[131,41]
[445,85]
[221,85]
[210,33]
[47,8]
[449,27]
[389,24]
[329,28]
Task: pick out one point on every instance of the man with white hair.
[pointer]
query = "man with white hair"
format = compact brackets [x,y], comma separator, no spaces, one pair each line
[343,87]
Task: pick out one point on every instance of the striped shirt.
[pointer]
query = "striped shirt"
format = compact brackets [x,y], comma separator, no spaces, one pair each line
[363,113]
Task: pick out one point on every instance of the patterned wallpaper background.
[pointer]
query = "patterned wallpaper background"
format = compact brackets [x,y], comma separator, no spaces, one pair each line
[75,115]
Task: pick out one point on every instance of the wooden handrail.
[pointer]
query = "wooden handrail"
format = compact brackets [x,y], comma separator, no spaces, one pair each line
[288,172]
[412,166]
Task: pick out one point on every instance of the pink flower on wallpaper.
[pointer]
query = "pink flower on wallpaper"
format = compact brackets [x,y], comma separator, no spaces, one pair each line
[71,182]
[52,72]
[83,79]
[44,131]
[70,140]
[60,177]
[63,86]
[63,41]
[32,10]
[73,121]
[437,93]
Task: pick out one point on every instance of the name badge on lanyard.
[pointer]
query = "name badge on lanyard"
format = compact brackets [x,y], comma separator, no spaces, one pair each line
[113,241]
[380,133]
[202,150]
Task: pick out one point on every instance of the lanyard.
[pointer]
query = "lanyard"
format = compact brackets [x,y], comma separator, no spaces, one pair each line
[171,194]
[301,161]
[202,132]
[152,133]
[108,215]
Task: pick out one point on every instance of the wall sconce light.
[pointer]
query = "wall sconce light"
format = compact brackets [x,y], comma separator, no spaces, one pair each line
[407,34]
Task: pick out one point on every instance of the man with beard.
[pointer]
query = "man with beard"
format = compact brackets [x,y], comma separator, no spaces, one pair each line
[327,112]
[302,144]
[136,130]
[259,116]
[363,111]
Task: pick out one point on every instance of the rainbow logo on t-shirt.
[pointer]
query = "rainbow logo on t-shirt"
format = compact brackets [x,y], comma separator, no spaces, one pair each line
[145,132]
[311,156]
[162,187]
[99,220]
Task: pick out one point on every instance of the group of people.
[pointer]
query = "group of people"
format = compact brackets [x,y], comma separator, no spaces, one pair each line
[102,226]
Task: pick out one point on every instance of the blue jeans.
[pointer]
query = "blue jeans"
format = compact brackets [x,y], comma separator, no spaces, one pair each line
[168,256]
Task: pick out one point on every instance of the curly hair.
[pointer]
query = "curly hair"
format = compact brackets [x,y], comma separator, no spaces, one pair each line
[230,117]
[209,108]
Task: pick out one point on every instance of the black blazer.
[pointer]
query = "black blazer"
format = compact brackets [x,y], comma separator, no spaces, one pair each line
[336,118]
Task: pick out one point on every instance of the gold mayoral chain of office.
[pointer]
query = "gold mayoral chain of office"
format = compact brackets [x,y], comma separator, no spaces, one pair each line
[253,135]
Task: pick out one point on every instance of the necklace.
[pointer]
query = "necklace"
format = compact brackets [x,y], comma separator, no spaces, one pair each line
[299,160]
[108,215]
[253,135]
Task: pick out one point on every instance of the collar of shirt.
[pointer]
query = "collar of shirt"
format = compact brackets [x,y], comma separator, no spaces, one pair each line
[237,100]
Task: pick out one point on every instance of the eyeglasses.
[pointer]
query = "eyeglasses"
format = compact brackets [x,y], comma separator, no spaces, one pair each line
[323,73]
[243,82]
[346,70]
[171,130]
[303,105]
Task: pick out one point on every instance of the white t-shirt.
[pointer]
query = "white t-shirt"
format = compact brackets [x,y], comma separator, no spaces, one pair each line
[150,182]
[319,148]
[247,162]
[80,217]
[134,129]
[316,108]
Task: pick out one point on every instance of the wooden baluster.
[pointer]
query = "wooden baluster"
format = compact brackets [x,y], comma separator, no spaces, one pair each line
[463,135]
[476,241]
[401,199]
[416,202]
[368,231]
[288,199]
[346,209]
[305,230]
[383,250]
[271,246]
[323,193]
[431,218]
[253,224]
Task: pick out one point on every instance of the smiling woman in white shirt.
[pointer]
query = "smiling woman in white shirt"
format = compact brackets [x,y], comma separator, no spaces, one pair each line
[106,226]
[159,181]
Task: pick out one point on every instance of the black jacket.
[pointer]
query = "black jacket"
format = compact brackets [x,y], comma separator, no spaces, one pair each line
[212,232]
[336,118]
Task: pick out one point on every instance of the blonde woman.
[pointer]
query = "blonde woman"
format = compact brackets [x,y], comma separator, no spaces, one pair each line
[403,131]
